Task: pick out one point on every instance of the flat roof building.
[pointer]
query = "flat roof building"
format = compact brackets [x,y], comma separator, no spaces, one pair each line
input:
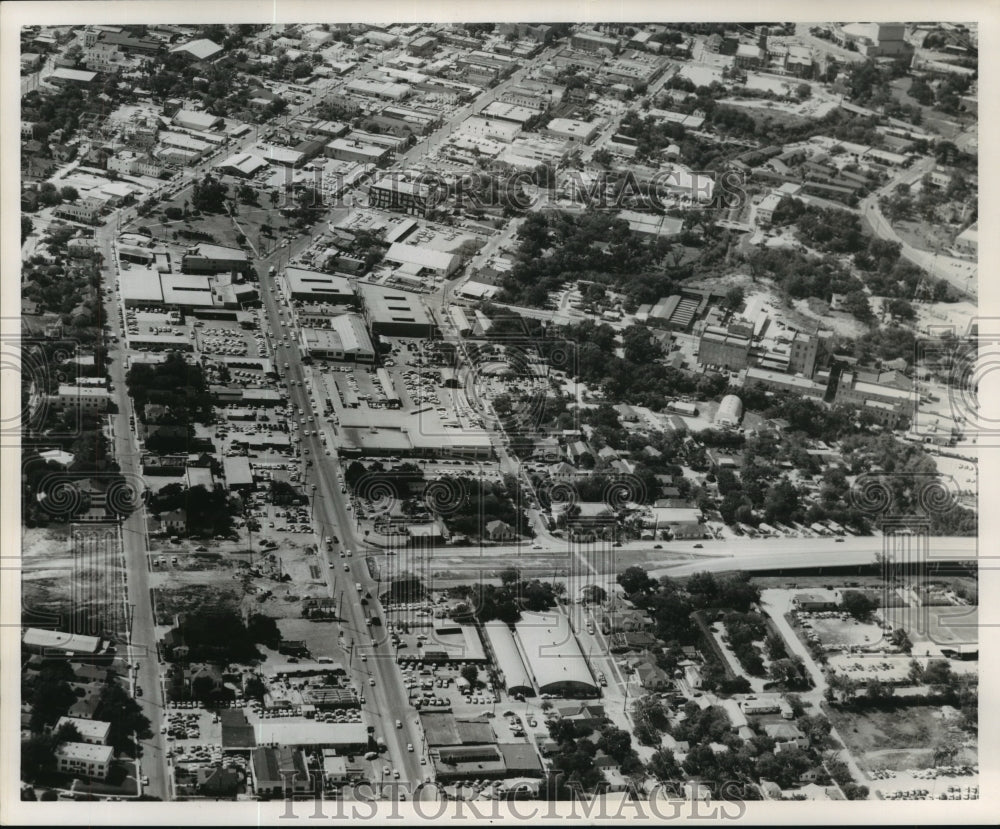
[315,286]
[425,260]
[345,340]
[396,313]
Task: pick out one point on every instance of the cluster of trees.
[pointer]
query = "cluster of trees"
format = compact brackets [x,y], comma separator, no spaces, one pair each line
[59,284]
[639,377]
[209,195]
[906,471]
[744,631]
[209,512]
[834,231]
[219,636]
[174,383]
[505,602]
[945,94]
[671,603]
[556,247]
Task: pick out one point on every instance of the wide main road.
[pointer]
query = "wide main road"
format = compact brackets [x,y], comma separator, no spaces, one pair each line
[777,553]
[125,450]
[386,700]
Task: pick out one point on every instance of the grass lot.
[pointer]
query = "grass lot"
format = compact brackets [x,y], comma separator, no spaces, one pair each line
[902,739]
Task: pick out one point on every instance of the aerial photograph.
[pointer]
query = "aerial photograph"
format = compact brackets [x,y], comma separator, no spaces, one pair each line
[447,415]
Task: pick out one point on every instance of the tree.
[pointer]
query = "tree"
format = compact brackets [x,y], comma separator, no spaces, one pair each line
[734,298]
[635,580]
[69,193]
[663,766]
[470,673]
[615,743]
[116,707]
[859,605]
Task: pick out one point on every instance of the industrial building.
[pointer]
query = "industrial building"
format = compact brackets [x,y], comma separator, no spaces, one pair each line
[416,259]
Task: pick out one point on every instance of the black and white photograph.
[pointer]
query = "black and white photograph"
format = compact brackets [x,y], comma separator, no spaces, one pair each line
[503,420]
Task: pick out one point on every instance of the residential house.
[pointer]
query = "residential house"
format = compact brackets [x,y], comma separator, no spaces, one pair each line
[500,531]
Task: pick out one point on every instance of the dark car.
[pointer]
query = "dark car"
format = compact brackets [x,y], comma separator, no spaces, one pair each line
[839,540]
[698,546]
[657,546]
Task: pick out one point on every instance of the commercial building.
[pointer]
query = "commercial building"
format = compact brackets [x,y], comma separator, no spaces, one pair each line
[393,193]
[71,77]
[394,313]
[873,394]
[236,471]
[313,286]
[345,340]
[416,259]
[594,42]
[777,381]
[200,50]
[505,111]
[494,128]
[352,149]
[57,642]
[273,770]
[242,165]
[193,120]
[379,89]
[86,210]
[570,129]
[507,659]
[212,259]
[553,656]
[84,760]
[874,40]
[723,348]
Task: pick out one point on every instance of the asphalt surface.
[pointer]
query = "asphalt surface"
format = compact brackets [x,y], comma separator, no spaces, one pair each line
[387,700]
[143,647]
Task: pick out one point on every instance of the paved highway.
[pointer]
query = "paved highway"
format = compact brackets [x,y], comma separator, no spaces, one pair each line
[143,648]
[386,701]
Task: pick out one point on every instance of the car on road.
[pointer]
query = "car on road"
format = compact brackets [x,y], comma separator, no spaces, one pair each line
[399,723]
[699,546]
[347,567]
[839,540]
[409,747]
[371,681]
[145,780]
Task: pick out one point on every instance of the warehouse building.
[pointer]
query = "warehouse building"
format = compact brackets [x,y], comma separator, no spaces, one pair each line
[553,656]
[416,259]
[507,659]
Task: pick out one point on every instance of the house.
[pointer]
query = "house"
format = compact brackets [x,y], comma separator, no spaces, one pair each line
[500,531]
[652,677]
[217,782]
[637,641]
[786,736]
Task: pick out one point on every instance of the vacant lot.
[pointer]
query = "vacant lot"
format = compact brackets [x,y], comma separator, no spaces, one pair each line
[902,739]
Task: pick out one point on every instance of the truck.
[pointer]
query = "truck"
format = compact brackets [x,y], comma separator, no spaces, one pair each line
[271,271]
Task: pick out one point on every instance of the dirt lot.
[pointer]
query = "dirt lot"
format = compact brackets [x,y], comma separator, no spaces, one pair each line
[221,577]
[53,587]
[887,739]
